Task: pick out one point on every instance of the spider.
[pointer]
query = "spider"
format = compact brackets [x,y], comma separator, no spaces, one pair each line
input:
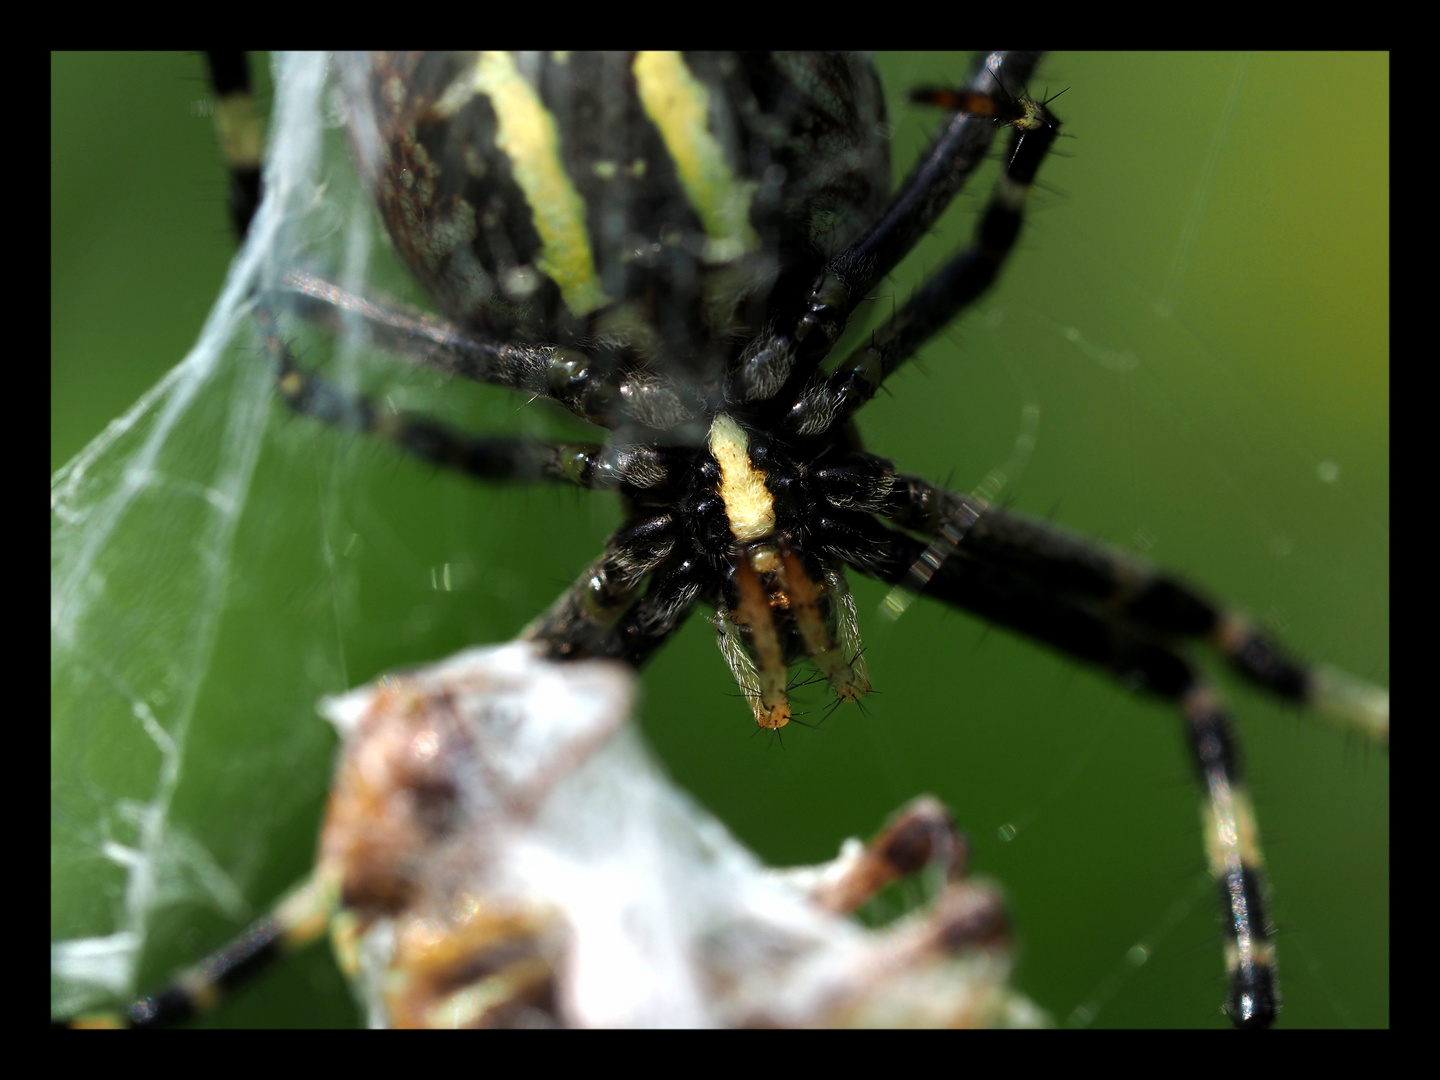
[966,694]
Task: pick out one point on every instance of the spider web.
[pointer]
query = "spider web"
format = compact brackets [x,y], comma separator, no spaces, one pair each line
[1241,380]
[144,525]
[216,568]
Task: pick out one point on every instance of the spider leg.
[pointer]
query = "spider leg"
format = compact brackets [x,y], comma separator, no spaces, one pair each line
[298,920]
[954,155]
[939,174]
[586,465]
[241,135]
[957,285]
[596,387]
[673,593]
[1124,588]
[784,362]
[600,614]
[1146,660]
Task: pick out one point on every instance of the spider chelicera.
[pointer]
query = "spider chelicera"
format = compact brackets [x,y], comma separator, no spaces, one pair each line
[961,694]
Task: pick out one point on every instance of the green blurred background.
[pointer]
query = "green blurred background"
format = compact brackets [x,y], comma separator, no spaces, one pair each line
[1199,310]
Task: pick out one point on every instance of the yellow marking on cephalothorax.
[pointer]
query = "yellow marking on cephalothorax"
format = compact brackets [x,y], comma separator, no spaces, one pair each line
[525,133]
[679,104]
[748,502]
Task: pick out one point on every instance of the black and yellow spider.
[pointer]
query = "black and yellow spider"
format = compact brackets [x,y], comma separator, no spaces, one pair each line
[959,692]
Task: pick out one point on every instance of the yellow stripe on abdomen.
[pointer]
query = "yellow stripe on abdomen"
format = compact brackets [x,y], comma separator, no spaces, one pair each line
[678,104]
[526,134]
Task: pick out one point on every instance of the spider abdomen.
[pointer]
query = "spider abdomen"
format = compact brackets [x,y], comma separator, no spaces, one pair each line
[649,201]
